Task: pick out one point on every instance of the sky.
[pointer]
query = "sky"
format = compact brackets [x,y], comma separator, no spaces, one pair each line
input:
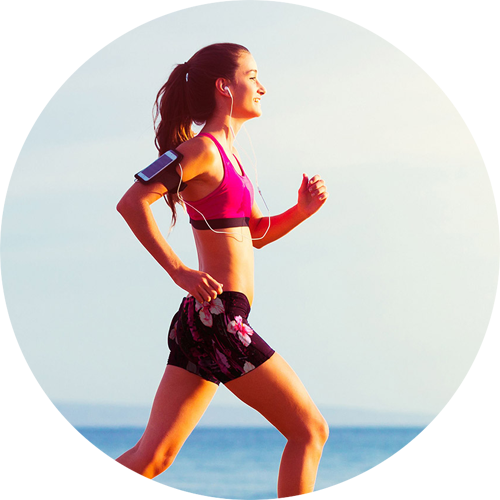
[380,301]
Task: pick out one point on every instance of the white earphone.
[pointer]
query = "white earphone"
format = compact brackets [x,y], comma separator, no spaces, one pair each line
[227,88]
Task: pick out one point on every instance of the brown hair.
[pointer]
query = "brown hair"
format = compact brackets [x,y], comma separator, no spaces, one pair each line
[189,96]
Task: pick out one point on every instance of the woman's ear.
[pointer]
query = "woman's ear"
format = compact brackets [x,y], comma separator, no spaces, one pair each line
[221,86]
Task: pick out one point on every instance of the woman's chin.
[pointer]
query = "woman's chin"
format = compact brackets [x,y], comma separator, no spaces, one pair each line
[257,112]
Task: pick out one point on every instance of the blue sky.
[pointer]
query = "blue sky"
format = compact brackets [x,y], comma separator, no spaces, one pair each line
[380,301]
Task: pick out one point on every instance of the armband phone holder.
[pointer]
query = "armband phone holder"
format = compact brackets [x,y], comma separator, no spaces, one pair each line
[164,170]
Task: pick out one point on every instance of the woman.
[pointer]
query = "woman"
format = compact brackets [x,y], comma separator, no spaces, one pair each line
[210,338]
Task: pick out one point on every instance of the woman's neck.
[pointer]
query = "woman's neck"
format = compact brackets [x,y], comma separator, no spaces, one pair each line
[220,125]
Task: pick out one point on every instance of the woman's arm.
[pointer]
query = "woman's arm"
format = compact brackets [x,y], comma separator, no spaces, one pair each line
[312,196]
[135,208]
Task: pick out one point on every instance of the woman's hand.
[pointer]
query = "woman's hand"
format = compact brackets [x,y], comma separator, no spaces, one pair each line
[312,195]
[199,284]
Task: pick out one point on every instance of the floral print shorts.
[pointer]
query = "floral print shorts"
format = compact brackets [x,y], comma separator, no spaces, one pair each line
[214,340]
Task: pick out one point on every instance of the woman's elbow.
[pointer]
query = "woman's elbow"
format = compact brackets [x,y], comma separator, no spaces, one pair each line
[126,205]
[138,197]
[258,238]
[122,205]
[258,243]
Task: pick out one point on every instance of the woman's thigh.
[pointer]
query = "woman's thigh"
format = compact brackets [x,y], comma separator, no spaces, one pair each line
[181,399]
[275,391]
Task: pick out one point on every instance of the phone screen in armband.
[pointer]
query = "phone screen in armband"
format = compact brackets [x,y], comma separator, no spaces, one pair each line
[164,170]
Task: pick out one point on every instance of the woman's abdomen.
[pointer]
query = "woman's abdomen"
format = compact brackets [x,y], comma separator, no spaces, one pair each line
[228,259]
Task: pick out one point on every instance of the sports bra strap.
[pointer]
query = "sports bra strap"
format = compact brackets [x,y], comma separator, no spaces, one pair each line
[217,143]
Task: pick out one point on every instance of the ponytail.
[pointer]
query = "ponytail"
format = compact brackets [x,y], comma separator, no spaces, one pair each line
[189,96]
[171,106]
[175,122]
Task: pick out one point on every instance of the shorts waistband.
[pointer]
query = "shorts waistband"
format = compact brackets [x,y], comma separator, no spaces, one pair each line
[232,298]
[238,298]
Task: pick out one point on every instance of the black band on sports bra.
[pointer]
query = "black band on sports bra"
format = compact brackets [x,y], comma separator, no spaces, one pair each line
[220,223]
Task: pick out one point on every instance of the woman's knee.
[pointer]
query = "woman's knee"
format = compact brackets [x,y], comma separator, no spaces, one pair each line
[325,430]
[321,430]
[313,430]
[152,462]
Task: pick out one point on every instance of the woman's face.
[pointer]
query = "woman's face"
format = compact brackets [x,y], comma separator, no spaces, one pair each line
[246,89]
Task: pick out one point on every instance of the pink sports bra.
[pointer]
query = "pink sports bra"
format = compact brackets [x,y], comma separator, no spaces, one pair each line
[230,204]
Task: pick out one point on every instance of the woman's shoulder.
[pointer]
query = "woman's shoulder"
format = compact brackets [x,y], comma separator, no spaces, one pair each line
[200,156]
[199,149]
